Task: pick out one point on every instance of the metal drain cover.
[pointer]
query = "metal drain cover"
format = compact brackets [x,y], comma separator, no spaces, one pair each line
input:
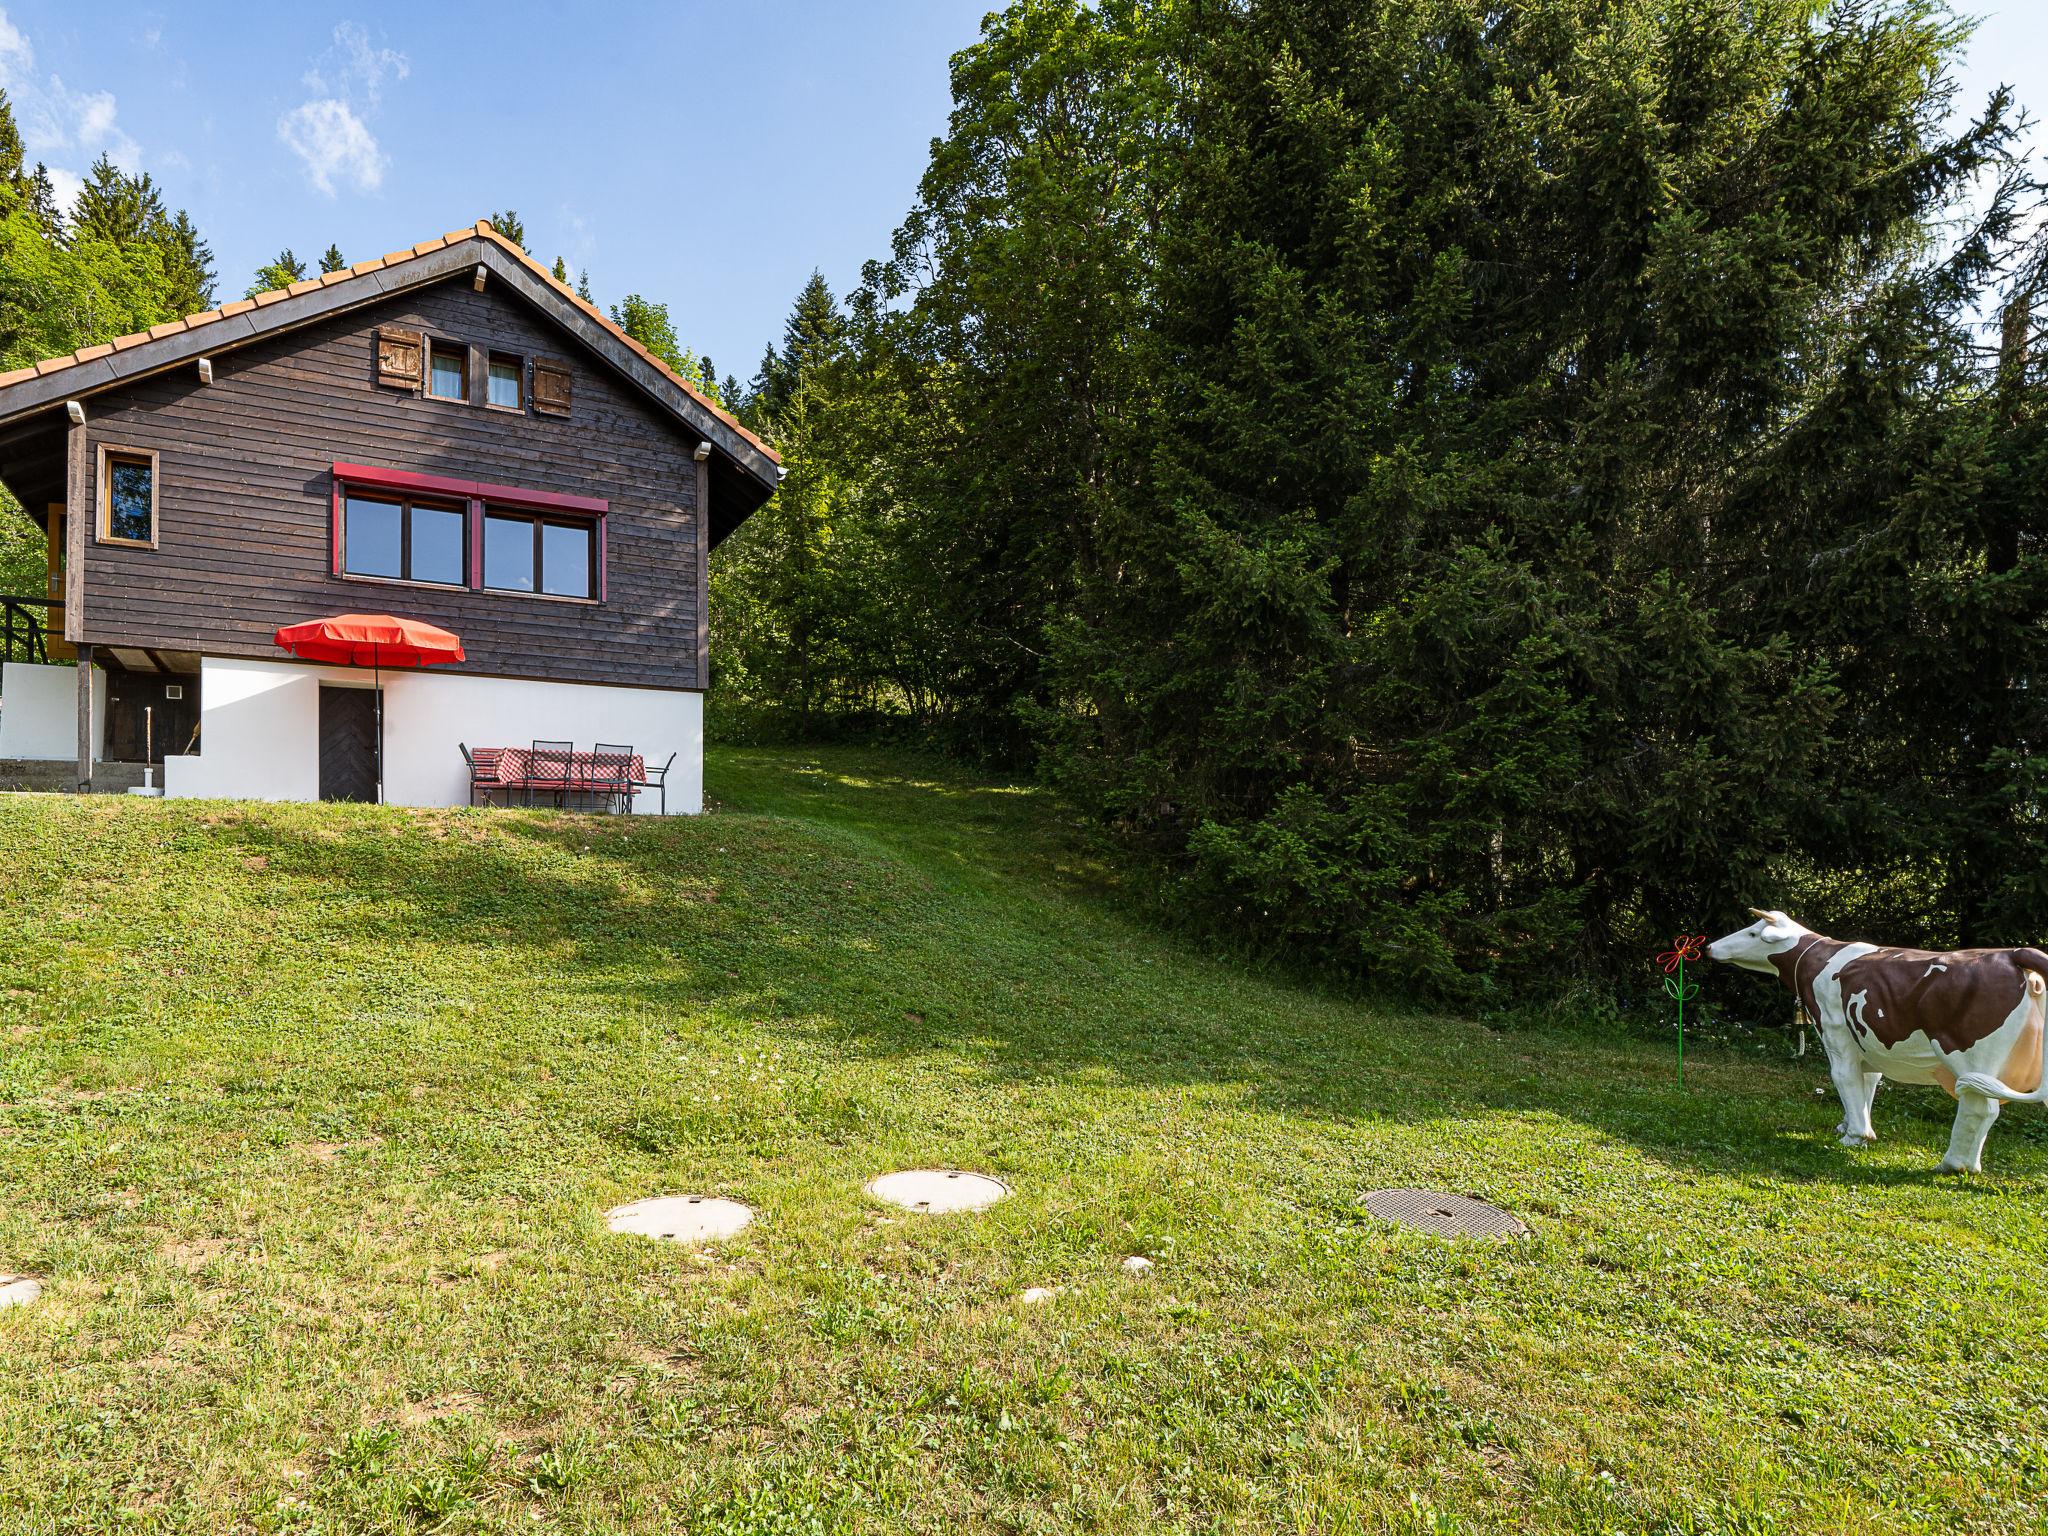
[1431,1210]
[18,1290]
[681,1218]
[936,1190]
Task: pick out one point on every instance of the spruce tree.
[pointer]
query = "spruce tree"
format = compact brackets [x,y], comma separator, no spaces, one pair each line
[332,260]
[116,207]
[509,225]
[811,336]
[188,262]
[10,145]
[41,198]
[561,272]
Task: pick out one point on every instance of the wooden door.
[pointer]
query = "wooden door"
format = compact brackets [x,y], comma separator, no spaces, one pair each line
[348,743]
[165,731]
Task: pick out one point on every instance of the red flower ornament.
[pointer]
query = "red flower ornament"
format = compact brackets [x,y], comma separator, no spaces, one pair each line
[1683,948]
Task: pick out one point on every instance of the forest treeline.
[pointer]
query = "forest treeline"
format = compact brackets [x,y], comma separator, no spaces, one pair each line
[1459,491]
[1456,491]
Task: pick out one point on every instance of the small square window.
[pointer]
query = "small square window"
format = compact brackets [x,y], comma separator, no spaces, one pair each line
[128,499]
[508,380]
[447,370]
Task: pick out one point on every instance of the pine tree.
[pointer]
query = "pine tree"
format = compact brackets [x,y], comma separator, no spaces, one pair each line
[10,144]
[583,287]
[188,263]
[124,211]
[508,224]
[811,336]
[280,272]
[41,198]
[332,260]
[116,207]
[561,272]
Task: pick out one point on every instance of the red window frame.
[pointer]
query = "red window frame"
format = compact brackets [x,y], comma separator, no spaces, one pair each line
[475,493]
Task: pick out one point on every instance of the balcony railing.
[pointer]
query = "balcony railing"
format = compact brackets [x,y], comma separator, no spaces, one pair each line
[25,627]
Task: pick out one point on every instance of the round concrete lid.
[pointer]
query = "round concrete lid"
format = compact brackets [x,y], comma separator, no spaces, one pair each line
[933,1190]
[1430,1210]
[18,1290]
[681,1218]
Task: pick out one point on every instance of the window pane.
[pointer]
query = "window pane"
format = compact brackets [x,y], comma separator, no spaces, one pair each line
[508,554]
[505,379]
[446,382]
[565,560]
[128,499]
[437,545]
[370,537]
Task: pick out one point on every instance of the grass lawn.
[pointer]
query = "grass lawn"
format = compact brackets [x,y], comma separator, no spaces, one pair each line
[309,1117]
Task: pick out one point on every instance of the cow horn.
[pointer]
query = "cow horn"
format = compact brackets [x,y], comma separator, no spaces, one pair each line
[1758,912]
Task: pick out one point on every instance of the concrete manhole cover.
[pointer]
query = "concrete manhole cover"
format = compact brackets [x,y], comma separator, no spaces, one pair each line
[681,1218]
[934,1190]
[1430,1210]
[18,1290]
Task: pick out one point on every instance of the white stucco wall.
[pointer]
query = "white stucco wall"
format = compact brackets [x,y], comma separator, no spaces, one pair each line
[260,731]
[39,712]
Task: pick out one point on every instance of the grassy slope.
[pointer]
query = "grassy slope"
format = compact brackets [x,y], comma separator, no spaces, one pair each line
[309,1116]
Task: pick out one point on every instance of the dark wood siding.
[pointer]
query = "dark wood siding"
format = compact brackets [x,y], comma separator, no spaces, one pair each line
[245,498]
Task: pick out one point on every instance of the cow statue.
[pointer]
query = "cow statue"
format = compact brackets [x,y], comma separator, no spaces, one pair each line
[1969,1019]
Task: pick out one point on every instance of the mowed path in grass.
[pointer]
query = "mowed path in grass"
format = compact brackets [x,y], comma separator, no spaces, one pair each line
[309,1117]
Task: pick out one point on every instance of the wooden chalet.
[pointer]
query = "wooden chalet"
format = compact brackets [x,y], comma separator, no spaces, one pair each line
[445,434]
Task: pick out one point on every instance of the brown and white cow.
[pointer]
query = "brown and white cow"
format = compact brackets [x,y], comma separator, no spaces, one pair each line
[1968,1019]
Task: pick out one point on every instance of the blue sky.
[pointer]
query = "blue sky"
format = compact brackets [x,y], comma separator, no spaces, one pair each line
[706,155]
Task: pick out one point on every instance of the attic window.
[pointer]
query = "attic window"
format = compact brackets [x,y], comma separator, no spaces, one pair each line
[447,370]
[508,382]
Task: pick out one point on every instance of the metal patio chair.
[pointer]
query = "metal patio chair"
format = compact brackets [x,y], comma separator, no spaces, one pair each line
[547,769]
[611,774]
[483,770]
[657,778]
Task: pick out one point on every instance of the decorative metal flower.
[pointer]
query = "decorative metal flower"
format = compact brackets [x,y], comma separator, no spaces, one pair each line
[1683,948]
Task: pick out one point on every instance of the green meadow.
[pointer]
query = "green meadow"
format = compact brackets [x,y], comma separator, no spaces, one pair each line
[310,1116]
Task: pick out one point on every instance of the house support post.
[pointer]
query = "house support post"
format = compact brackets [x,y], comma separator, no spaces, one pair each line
[84,719]
[703,457]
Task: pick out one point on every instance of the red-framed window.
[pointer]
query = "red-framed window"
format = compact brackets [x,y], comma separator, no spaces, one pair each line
[567,534]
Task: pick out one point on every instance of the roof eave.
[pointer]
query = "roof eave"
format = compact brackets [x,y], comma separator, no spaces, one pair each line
[140,357]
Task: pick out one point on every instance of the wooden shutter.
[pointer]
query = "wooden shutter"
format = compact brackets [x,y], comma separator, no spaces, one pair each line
[551,385]
[399,352]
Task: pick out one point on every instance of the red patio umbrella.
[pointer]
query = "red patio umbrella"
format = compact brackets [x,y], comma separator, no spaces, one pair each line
[370,640]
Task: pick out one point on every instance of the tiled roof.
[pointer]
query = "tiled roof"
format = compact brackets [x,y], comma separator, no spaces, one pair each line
[482,231]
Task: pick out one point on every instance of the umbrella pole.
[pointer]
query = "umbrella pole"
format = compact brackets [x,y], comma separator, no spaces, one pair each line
[377,694]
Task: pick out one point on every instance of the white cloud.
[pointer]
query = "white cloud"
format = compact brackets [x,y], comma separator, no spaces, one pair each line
[16,57]
[333,142]
[56,121]
[64,187]
[327,132]
[352,66]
